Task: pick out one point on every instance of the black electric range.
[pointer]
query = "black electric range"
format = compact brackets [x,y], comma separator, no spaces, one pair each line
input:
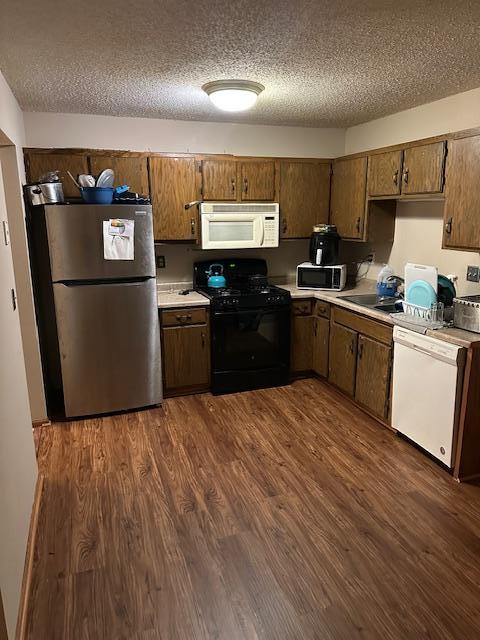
[250,326]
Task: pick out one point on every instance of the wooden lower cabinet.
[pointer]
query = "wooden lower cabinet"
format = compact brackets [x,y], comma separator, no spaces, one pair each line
[321,335]
[301,343]
[185,358]
[342,358]
[372,384]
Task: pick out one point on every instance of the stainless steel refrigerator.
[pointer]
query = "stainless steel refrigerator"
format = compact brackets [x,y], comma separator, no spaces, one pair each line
[97,317]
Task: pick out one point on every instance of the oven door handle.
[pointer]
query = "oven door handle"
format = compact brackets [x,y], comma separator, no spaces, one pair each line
[259,311]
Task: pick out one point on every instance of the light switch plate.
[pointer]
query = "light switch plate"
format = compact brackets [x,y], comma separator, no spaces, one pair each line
[6,232]
[473,273]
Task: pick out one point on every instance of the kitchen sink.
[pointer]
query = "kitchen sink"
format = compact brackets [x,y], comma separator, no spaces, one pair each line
[372,301]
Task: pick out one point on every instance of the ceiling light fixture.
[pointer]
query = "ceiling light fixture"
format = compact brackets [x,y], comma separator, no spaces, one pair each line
[233,95]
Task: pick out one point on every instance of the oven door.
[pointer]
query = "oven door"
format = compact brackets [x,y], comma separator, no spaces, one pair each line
[250,348]
[231,230]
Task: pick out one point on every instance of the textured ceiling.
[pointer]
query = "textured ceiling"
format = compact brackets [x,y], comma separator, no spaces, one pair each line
[323,63]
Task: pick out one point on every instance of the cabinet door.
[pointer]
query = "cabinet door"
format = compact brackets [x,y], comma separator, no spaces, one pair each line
[174,183]
[219,179]
[257,180]
[36,164]
[384,174]
[301,343]
[347,206]
[304,197]
[423,169]
[342,358]
[462,195]
[372,387]
[128,170]
[321,334]
[186,356]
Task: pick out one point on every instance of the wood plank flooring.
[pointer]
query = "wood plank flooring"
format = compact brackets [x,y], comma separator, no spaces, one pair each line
[278,514]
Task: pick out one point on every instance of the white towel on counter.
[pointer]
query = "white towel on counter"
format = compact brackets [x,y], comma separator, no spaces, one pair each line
[118,239]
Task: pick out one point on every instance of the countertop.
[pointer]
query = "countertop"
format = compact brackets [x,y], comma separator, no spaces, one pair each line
[168,299]
[453,335]
[173,300]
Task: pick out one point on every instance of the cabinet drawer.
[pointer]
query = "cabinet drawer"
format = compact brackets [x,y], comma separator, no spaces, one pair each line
[366,326]
[176,317]
[302,307]
[321,309]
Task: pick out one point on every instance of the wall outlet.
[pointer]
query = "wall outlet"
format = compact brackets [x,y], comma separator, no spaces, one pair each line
[160,262]
[473,273]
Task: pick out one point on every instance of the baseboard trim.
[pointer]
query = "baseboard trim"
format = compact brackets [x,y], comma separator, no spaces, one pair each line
[41,423]
[27,572]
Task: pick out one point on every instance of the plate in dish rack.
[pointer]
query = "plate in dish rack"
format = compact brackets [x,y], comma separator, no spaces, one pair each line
[421,293]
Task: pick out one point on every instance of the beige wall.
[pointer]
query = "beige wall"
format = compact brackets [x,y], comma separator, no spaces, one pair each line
[180,258]
[149,134]
[11,123]
[460,111]
[18,469]
[419,225]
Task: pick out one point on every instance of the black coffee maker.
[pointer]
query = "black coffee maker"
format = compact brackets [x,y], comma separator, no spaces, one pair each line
[324,244]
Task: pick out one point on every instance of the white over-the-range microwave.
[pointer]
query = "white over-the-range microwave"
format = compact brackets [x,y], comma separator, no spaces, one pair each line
[230,225]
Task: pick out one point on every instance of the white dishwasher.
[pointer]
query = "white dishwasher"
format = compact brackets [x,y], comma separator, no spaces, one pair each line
[427,385]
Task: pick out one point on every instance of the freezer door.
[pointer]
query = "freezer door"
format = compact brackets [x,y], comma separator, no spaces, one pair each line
[75,239]
[109,342]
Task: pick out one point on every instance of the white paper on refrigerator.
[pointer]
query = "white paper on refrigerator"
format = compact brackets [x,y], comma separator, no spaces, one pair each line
[118,239]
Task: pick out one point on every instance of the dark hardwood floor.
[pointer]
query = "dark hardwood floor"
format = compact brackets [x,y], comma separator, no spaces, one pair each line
[278,514]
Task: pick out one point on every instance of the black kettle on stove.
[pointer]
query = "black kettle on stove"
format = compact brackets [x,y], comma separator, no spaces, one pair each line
[324,243]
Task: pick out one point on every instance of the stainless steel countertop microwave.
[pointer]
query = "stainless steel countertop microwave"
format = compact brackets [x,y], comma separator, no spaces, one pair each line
[230,225]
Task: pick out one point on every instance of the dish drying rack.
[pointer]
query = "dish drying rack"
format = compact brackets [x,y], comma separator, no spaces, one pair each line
[432,317]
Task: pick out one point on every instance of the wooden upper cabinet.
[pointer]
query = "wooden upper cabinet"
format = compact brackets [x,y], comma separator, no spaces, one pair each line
[37,164]
[423,169]
[347,205]
[129,170]
[384,173]
[372,386]
[219,179]
[462,195]
[174,183]
[257,179]
[304,197]
[342,358]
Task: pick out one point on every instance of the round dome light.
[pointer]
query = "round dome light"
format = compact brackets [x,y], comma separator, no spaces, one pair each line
[233,95]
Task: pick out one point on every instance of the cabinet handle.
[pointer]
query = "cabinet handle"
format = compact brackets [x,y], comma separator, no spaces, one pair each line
[315,330]
[184,318]
[284,228]
[192,226]
[357,225]
[203,340]
[233,185]
[245,185]
[448,225]
[351,347]
[405,176]
[360,351]
[395,177]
